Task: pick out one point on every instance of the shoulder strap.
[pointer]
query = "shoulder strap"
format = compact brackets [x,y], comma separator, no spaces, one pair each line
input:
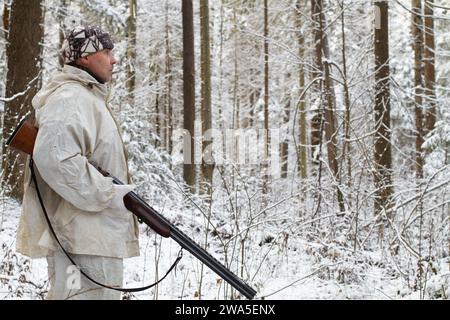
[180,253]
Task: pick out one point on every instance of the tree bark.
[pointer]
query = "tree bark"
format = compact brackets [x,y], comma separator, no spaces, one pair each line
[236,121]
[131,51]
[265,161]
[188,92]
[158,113]
[318,118]
[62,12]
[22,81]
[207,164]
[284,145]
[417,34]
[168,95]
[6,13]
[302,149]
[430,73]
[346,150]
[382,156]
[327,89]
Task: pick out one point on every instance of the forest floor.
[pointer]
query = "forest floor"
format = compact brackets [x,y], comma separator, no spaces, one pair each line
[290,273]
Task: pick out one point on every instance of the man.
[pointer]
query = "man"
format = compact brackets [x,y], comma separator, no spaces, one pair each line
[85,208]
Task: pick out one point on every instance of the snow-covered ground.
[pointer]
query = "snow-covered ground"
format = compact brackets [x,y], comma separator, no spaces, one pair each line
[292,273]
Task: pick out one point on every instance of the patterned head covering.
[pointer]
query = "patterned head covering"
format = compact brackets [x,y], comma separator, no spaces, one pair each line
[83,41]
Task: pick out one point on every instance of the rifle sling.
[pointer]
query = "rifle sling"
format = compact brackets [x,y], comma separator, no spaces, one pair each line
[180,253]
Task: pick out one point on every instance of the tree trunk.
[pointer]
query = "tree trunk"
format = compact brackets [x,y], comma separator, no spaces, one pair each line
[265,161]
[62,12]
[284,146]
[6,13]
[302,149]
[430,74]
[188,92]
[131,51]
[383,157]
[318,118]
[236,121]
[158,116]
[221,46]
[417,34]
[346,150]
[322,56]
[207,163]
[22,80]
[168,98]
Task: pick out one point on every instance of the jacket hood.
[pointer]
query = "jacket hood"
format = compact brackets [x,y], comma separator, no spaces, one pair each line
[68,75]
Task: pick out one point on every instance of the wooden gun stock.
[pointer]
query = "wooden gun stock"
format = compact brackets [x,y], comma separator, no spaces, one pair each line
[24,136]
[23,139]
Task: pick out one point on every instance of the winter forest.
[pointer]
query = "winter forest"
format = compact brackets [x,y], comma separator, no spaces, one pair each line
[305,144]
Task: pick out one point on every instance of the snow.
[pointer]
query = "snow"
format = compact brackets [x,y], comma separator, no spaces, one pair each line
[292,274]
[302,248]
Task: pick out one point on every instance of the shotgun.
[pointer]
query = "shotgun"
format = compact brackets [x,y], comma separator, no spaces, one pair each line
[23,139]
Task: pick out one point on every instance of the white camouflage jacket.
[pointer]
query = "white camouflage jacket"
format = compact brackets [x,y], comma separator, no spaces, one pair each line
[75,125]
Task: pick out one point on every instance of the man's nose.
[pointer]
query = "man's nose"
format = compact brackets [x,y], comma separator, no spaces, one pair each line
[113,60]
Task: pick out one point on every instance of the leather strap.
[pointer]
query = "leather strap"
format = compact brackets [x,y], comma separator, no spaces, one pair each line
[180,253]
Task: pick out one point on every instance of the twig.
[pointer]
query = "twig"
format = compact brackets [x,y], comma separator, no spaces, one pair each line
[303,278]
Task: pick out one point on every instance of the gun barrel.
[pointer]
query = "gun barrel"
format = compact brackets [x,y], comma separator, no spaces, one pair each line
[150,215]
[201,254]
[165,228]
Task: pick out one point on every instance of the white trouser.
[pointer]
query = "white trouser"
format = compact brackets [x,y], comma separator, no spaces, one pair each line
[67,283]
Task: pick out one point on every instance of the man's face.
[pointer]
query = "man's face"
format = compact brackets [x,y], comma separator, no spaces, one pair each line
[101,64]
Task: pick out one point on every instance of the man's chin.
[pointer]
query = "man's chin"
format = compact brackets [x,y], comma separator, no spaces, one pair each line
[104,79]
[108,78]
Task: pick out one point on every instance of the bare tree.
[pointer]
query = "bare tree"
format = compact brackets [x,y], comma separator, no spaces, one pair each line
[61,14]
[22,82]
[382,154]
[430,72]
[6,13]
[284,145]
[346,149]
[302,151]
[131,50]
[327,91]
[207,165]
[417,34]
[189,91]
[266,102]
[168,94]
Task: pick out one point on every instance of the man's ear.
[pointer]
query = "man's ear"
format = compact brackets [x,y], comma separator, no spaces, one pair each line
[83,61]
